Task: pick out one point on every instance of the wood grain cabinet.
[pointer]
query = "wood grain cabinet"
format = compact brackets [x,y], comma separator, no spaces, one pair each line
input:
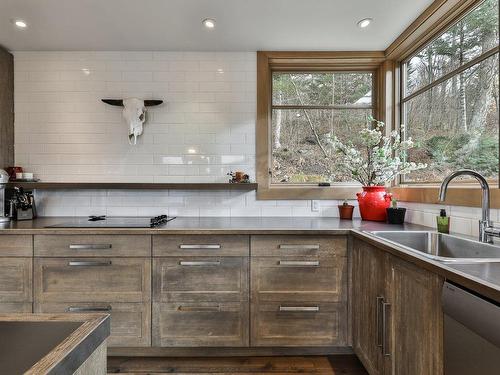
[298,291]
[397,314]
[200,291]
[16,269]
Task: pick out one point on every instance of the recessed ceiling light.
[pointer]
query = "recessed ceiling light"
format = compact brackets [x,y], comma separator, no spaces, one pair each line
[209,23]
[364,22]
[20,24]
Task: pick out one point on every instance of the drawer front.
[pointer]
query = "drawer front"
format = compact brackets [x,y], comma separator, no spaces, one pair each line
[290,245]
[16,279]
[200,324]
[299,279]
[130,322]
[15,307]
[96,280]
[92,245]
[200,279]
[14,245]
[200,245]
[299,324]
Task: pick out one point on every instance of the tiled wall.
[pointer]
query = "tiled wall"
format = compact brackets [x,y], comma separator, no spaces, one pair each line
[463,220]
[205,129]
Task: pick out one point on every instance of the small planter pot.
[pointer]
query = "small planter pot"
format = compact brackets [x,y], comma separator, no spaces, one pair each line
[345,211]
[396,215]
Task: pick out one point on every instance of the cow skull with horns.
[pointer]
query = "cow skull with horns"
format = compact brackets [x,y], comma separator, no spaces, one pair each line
[134,113]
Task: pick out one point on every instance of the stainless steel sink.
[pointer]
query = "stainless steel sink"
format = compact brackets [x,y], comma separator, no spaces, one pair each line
[443,247]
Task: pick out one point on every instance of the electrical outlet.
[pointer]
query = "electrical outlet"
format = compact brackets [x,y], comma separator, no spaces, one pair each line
[315,206]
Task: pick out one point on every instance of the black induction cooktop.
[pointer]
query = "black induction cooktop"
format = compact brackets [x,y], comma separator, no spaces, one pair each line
[113,222]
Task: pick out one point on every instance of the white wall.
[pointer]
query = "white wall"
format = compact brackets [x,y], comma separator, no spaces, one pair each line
[205,129]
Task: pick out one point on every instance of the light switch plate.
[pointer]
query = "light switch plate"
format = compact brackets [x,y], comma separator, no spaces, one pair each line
[315,206]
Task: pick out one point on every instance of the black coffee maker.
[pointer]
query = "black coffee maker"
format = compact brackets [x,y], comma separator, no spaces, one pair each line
[20,204]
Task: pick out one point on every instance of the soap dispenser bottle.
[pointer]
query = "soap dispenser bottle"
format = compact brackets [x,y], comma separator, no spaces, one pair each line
[443,222]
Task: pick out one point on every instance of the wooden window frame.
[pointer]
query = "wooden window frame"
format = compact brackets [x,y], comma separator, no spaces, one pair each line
[267,63]
[440,15]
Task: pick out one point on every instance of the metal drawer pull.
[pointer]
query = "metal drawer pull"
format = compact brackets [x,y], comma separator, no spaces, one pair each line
[300,308]
[201,263]
[199,308]
[201,246]
[88,263]
[102,246]
[299,263]
[385,335]
[380,301]
[298,247]
[84,309]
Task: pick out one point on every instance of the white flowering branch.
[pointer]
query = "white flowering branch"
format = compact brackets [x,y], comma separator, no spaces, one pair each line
[385,156]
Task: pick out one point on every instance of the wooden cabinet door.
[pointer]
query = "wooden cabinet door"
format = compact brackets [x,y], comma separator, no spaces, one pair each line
[16,280]
[92,280]
[207,324]
[130,322]
[368,279]
[416,321]
[200,279]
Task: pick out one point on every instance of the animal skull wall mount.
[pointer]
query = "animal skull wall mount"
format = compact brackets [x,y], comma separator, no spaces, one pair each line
[134,113]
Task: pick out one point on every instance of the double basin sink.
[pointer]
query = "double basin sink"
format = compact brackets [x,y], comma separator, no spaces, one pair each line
[443,247]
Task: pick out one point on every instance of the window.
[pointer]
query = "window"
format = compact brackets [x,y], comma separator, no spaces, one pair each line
[450,98]
[308,108]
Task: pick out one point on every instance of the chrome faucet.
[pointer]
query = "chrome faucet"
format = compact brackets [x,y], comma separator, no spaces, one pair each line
[486,228]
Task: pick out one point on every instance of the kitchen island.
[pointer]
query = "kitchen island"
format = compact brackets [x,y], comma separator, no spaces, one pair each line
[38,344]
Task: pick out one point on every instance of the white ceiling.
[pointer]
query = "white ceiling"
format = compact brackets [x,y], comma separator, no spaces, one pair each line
[242,25]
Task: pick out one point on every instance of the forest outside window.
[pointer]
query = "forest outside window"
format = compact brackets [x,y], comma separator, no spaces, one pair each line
[450,103]
[308,109]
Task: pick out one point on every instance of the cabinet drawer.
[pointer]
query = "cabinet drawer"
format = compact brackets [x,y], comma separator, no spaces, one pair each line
[202,245]
[290,245]
[299,279]
[92,245]
[15,307]
[200,279]
[16,279]
[130,322]
[200,324]
[14,245]
[299,324]
[97,279]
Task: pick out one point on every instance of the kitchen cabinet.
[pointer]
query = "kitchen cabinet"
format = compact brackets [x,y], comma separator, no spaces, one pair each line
[16,275]
[200,291]
[397,317]
[298,291]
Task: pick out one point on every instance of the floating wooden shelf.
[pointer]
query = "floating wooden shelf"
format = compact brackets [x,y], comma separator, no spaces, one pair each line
[126,185]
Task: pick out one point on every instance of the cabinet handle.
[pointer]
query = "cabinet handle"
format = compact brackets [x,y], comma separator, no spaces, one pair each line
[300,308]
[298,247]
[199,308]
[385,336]
[88,263]
[200,246]
[380,301]
[97,246]
[299,263]
[201,263]
[89,308]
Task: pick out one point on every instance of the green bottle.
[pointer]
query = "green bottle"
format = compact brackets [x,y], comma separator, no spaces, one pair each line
[443,222]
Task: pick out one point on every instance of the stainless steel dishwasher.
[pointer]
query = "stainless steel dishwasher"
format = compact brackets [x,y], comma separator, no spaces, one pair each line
[471,333]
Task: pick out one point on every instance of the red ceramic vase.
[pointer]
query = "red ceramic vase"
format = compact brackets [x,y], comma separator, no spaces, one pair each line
[373,202]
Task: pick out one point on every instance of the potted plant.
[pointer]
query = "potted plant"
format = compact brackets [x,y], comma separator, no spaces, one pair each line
[395,214]
[345,210]
[374,162]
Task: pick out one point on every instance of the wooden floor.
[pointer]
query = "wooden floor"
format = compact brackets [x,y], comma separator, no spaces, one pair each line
[334,365]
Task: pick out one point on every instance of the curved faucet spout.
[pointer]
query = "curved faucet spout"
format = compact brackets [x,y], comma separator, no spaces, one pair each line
[485,220]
